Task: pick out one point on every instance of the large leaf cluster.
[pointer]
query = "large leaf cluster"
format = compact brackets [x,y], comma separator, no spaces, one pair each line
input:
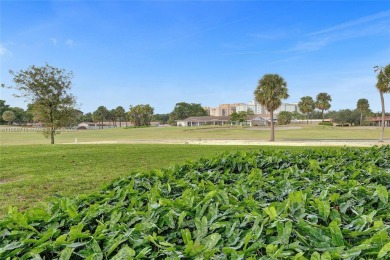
[258,205]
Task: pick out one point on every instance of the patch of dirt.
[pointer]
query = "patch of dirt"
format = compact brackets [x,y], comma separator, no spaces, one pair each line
[3,181]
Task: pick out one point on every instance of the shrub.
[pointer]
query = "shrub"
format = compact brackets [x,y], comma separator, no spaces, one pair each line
[326,123]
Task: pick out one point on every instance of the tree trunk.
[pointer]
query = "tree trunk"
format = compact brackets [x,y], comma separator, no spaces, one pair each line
[272,127]
[52,132]
[383,116]
[361,118]
[323,117]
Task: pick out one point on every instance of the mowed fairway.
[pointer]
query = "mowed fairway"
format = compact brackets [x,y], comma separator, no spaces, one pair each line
[32,174]
[159,134]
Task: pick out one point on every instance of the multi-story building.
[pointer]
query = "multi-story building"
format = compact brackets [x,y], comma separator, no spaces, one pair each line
[223,109]
[259,109]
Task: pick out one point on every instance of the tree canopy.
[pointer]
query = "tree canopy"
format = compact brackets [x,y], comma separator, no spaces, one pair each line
[183,110]
[363,107]
[8,116]
[306,105]
[48,89]
[270,91]
[141,115]
[323,102]
[284,118]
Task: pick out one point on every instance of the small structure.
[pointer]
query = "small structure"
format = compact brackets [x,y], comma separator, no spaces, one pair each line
[254,120]
[377,121]
[260,120]
[203,120]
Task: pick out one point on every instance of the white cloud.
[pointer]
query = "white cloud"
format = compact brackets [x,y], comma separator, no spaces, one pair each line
[363,20]
[54,41]
[4,51]
[377,24]
[69,42]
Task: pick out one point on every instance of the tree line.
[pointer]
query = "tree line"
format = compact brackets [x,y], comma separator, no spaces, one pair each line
[51,103]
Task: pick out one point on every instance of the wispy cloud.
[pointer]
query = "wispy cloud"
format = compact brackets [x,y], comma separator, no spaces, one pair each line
[354,23]
[54,41]
[376,24]
[4,51]
[69,42]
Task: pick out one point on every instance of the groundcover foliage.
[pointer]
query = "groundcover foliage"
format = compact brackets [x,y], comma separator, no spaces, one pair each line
[322,204]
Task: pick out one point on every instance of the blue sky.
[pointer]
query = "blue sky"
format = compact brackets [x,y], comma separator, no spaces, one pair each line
[209,52]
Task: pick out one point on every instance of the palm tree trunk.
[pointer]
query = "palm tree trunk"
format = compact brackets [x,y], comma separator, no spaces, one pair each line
[323,117]
[272,126]
[361,118]
[383,116]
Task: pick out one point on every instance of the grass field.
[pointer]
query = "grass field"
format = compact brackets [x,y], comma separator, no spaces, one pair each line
[31,174]
[122,135]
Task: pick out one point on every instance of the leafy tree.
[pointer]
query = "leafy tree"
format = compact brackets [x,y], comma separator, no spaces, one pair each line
[141,115]
[47,87]
[270,91]
[3,108]
[120,114]
[383,86]
[20,115]
[297,115]
[346,116]
[239,116]
[161,118]
[100,115]
[184,110]
[306,106]
[284,118]
[87,117]
[234,117]
[323,103]
[9,116]
[363,107]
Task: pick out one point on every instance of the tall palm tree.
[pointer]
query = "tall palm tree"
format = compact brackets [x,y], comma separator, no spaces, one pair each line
[120,113]
[323,103]
[363,107]
[383,85]
[270,91]
[306,106]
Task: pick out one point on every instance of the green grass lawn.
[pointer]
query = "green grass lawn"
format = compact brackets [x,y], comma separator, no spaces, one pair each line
[31,174]
[122,135]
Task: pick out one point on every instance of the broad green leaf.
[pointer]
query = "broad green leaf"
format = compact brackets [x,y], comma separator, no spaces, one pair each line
[66,253]
[315,256]
[124,253]
[337,236]
[384,250]
[382,193]
[181,219]
[186,235]
[271,212]
[143,253]
[211,241]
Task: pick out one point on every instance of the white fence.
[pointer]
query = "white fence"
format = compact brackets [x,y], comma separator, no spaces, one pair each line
[34,129]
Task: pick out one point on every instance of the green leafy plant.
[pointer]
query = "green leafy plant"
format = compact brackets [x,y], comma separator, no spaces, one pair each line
[315,204]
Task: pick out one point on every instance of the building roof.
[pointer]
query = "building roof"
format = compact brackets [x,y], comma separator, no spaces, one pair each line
[224,118]
[206,118]
[377,118]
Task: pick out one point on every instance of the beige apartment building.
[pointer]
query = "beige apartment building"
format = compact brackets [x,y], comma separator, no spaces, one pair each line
[223,109]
